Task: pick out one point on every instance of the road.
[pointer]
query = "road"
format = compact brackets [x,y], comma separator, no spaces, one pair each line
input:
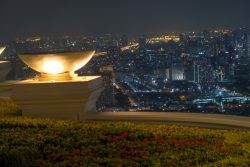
[122,49]
[130,99]
[5,89]
[189,119]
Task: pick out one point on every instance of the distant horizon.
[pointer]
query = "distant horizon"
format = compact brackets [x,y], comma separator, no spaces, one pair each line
[120,34]
[29,17]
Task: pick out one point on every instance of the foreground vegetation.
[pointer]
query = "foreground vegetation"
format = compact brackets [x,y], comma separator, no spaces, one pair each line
[42,142]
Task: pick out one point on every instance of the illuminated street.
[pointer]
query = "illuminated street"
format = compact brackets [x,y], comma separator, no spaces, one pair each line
[129,47]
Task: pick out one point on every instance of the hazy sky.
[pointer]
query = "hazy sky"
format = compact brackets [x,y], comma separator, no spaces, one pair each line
[45,17]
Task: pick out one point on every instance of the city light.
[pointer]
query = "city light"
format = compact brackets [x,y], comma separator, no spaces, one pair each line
[135,83]
[57,63]
[53,67]
[165,38]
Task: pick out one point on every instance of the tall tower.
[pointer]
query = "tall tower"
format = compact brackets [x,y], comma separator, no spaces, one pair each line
[247,44]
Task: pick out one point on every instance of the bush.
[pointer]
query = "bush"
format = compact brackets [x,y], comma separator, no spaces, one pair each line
[9,108]
[43,142]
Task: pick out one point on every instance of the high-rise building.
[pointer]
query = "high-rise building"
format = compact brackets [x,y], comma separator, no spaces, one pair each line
[189,71]
[124,40]
[176,72]
[247,44]
[227,41]
[242,73]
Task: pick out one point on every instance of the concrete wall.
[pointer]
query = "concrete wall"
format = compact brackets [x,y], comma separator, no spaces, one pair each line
[4,69]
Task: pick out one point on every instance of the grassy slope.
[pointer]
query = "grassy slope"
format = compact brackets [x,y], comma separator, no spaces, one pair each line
[42,142]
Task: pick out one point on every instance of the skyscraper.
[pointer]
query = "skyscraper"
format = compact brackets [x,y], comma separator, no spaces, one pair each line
[247,44]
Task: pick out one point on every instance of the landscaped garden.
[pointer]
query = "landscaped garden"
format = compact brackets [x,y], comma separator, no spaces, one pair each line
[43,142]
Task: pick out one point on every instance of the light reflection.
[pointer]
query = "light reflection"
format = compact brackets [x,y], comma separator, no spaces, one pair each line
[2,49]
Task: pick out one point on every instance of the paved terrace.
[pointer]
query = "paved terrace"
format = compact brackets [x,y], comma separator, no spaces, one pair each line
[188,119]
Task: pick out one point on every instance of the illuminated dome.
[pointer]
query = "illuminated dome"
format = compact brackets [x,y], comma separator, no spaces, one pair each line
[55,64]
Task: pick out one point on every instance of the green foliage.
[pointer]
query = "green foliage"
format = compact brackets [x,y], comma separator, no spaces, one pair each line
[43,142]
[9,108]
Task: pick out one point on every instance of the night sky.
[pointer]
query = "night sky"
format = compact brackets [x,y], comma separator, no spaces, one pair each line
[22,18]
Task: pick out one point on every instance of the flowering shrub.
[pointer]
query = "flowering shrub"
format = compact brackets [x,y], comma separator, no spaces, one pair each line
[43,142]
[8,108]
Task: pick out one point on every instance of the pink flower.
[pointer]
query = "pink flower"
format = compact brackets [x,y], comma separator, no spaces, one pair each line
[200,142]
[145,140]
[56,156]
[124,135]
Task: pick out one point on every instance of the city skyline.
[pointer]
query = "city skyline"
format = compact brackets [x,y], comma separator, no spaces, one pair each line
[29,18]
[124,83]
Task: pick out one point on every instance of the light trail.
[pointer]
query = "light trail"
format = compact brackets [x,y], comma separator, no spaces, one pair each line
[122,49]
